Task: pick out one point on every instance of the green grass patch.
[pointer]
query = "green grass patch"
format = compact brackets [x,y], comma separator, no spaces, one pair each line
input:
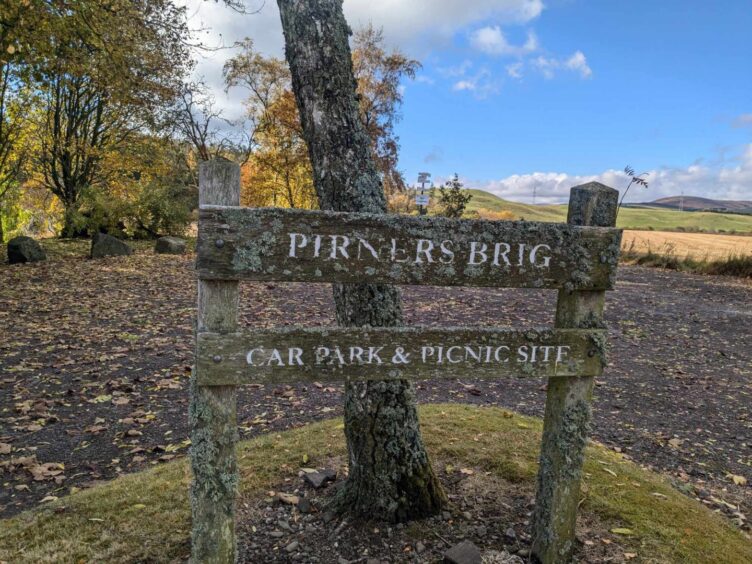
[145,516]
[643,218]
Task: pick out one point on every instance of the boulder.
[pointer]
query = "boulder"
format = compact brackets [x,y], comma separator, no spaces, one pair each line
[170,246]
[24,249]
[318,479]
[463,553]
[103,245]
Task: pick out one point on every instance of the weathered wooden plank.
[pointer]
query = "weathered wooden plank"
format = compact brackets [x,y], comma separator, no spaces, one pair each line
[318,246]
[338,354]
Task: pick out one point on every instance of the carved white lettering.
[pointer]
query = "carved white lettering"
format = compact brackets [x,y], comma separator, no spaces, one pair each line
[474,251]
[303,241]
[424,247]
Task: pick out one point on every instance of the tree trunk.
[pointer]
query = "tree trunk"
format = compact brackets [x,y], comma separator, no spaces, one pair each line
[69,224]
[390,474]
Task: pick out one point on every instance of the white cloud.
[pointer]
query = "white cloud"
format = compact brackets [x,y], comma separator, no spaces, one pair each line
[491,40]
[577,62]
[481,84]
[514,70]
[731,181]
[417,26]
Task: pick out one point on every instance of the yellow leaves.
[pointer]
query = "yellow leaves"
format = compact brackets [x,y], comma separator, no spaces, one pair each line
[104,398]
[622,531]
[737,479]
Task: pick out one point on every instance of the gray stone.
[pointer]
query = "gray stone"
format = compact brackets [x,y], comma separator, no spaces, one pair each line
[318,479]
[463,553]
[501,557]
[24,249]
[420,547]
[170,246]
[103,245]
[304,506]
[510,533]
[292,547]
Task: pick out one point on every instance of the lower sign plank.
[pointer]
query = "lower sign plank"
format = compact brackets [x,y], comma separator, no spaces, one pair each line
[340,354]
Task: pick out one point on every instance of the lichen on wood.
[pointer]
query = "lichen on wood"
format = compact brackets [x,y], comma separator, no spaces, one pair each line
[302,245]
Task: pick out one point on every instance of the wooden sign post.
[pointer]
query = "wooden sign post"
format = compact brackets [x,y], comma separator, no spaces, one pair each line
[234,243]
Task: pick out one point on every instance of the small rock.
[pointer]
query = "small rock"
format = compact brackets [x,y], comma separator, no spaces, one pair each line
[284,525]
[318,479]
[467,515]
[446,515]
[289,499]
[481,531]
[169,246]
[304,506]
[24,249]
[103,245]
[463,553]
[503,557]
[523,552]
[277,534]
[420,547]
[510,534]
[328,517]
[292,547]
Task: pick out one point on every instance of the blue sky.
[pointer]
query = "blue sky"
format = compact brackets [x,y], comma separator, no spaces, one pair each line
[521,93]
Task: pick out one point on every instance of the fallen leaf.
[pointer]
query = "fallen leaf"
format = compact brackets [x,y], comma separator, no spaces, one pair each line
[737,479]
[622,531]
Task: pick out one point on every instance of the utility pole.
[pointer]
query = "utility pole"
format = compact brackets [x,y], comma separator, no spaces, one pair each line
[422,199]
[681,201]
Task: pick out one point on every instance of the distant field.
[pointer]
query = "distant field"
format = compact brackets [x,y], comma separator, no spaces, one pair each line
[695,245]
[659,219]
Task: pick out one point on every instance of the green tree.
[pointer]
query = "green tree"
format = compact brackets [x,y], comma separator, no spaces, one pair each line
[452,198]
[14,105]
[104,71]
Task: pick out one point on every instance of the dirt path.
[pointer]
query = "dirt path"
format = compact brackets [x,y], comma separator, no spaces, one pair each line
[95,358]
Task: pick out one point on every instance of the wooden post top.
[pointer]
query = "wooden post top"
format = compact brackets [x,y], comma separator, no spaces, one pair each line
[593,204]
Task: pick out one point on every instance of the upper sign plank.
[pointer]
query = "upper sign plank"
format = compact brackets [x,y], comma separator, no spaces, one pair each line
[275,244]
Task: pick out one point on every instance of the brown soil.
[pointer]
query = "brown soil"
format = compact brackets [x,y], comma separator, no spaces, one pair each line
[95,358]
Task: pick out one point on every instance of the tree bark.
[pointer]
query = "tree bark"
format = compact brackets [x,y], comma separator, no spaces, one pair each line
[390,474]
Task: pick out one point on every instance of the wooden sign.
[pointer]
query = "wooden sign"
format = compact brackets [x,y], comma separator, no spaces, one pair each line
[316,246]
[338,354]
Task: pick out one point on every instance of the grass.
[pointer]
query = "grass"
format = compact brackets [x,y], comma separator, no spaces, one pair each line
[145,516]
[659,219]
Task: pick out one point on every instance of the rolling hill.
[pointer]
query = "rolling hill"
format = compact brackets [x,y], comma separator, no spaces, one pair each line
[646,216]
[696,203]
